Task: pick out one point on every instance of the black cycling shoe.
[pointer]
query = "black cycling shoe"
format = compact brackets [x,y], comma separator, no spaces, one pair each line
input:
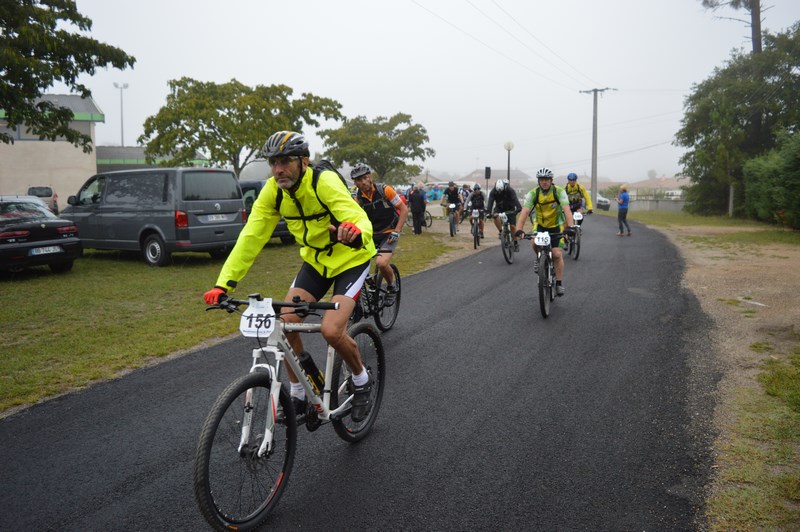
[300,406]
[391,294]
[362,402]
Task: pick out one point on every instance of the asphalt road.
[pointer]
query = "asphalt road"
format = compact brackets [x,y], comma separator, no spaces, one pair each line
[597,418]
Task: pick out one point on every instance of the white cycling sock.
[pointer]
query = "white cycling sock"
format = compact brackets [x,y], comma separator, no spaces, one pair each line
[298,390]
[362,378]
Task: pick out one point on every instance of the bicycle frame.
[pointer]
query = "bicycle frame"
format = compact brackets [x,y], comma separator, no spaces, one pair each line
[278,346]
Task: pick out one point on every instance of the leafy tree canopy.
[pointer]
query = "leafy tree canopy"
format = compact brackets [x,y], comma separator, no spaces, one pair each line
[735,115]
[229,122]
[37,50]
[384,144]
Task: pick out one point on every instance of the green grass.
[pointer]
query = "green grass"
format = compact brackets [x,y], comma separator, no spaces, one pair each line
[112,313]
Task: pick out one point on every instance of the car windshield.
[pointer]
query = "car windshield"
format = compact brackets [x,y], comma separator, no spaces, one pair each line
[23,211]
[42,192]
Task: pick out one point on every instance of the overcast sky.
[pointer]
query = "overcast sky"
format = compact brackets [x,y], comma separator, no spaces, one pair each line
[475,73]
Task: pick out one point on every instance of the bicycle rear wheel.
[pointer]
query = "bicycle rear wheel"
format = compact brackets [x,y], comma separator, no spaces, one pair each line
[387,315]
[545,288]
[507,245]
[428,219]
[235,488]
[577,245]
[372,356]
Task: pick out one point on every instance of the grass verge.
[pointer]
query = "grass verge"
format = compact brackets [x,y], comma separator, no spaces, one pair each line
[112,313]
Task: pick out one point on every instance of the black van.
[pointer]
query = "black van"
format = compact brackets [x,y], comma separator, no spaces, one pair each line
[159,210]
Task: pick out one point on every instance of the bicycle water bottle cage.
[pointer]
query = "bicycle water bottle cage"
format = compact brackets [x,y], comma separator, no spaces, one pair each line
[542,239]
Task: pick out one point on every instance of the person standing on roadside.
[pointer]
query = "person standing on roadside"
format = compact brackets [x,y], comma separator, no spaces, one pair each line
[623,199]
[418,201]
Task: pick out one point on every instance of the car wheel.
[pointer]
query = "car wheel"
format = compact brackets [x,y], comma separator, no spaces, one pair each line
[154,252]
[61,267]
[219,254]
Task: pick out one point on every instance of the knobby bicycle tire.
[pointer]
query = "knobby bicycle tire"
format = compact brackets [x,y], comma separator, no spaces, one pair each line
[476,234]
[386,315]
[451,218]
[544,284]
[428,219]
[373,357]
[577,245]
[507,246]
[237,489]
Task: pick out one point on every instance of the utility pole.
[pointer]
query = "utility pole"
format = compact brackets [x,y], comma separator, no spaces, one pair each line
[594,140]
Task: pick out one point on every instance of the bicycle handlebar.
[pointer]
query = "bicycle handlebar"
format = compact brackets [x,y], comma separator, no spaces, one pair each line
[302,308]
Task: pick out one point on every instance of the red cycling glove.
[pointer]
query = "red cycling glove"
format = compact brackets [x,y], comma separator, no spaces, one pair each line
[212,296]
[353,228]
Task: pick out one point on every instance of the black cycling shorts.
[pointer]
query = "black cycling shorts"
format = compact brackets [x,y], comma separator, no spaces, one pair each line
[348,283]
[554,242]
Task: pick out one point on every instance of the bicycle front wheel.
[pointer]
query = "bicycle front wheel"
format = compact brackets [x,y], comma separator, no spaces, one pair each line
[476,234]
[428,219]
[507,245]
[451,218]
[577,246]
[545,289]
[387,315]
[372,356]
[236,488]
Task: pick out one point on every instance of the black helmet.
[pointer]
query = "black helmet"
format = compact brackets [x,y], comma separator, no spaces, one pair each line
[285,143]
[360,170]
[477,187]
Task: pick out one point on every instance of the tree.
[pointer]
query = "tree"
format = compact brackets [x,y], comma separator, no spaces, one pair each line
[773,183]
[384,144]
[228,122]
[751,6]
[734,116]
[36,51]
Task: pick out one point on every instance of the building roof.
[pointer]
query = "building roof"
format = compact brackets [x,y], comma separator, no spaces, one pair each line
[83,109]
[131,155]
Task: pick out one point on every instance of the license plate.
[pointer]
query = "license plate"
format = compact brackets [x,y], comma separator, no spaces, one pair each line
[46,250]
[217,217]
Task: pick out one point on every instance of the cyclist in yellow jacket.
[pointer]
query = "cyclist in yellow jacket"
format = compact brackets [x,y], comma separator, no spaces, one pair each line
[335,236]
[577,195]
[549,206]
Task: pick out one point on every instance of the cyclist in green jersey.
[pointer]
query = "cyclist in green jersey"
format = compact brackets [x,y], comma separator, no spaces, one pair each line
[550,209]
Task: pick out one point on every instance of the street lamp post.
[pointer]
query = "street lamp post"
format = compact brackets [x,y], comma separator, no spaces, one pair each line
[121,87]
[509,146]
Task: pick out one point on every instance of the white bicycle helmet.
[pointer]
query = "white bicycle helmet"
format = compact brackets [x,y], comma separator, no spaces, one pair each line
[500,185]
[544,173]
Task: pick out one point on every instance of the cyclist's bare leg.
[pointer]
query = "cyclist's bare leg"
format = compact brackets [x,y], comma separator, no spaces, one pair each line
[334,330]
[384,261]
[294,338]
[498,223]
[558,262]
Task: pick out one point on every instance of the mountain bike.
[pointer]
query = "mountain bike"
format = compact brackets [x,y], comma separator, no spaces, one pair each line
[372,300]
[574,242]
[247,445]
[507,245]
[475,221]
[451,218]
[546,269]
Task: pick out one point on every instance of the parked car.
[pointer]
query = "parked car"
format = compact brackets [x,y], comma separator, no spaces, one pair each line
[31,235]
[158,211]
[603,203]
[47,194]
[250,190]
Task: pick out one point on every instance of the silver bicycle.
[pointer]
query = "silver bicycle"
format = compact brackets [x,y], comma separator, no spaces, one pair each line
[247,445]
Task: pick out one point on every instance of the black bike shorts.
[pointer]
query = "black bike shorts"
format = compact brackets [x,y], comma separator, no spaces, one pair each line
[348,283]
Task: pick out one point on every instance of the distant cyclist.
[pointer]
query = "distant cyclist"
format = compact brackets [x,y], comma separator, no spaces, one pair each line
[387,212]
[550,209]
[502,198]
[577,195]
[477,200]
[452,195]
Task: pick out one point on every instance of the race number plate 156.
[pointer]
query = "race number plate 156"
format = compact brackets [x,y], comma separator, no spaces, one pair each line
[258,320]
